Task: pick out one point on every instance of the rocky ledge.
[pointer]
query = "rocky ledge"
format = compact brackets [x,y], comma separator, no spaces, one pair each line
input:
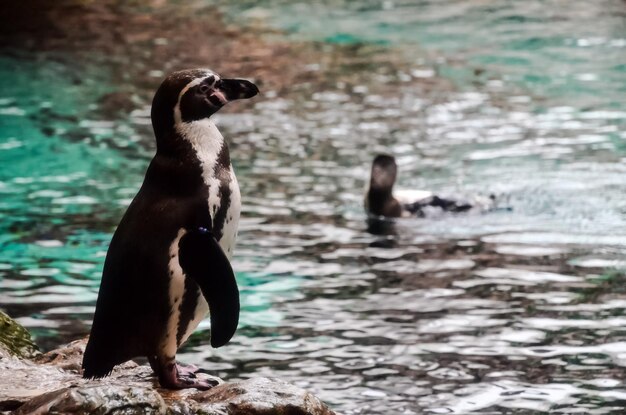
[50,383]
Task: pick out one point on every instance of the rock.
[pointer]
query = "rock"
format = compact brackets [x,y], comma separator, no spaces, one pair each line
[96,399]
[14,339]
[265,396]
[23,380]
[51,384]
[68,357]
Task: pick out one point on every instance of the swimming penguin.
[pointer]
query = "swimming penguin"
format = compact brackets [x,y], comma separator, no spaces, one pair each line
[168,262]
[380,200]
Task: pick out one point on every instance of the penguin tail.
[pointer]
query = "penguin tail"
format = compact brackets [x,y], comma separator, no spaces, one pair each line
[89,373]
[96,365]
[96,370]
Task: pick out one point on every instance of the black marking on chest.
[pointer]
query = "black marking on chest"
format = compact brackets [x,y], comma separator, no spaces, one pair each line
[222,170]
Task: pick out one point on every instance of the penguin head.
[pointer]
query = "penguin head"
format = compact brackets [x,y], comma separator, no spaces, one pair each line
[194,94]
[384,171]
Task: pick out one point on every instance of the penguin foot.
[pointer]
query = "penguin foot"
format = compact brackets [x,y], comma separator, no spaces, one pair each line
[186,370]
[187,382]
[176,376]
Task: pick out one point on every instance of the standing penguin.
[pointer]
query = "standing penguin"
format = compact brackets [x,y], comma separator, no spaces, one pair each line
[168,262]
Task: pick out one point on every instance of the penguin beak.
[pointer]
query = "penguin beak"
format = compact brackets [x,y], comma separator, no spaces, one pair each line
[232,89]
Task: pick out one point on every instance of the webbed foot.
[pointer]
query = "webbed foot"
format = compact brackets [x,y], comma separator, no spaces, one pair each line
[174,375]
[187,370]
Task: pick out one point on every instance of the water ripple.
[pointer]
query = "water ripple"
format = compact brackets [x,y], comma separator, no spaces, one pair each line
[514,311]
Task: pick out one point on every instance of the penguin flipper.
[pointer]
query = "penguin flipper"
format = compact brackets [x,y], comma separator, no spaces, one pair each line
[202,259]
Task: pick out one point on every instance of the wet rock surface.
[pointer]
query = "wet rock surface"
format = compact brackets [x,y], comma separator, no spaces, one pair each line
[259,396]
[51,383]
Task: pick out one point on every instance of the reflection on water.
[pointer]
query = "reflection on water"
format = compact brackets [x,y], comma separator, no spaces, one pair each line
[506,312]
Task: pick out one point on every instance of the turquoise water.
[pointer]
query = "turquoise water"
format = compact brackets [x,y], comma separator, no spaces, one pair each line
[62,188]
[566,51]
[517,311]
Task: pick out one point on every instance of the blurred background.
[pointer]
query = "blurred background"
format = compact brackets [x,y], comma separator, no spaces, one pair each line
[507,312]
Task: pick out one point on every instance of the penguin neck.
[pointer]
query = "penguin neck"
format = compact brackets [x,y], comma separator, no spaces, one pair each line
[208,145]
[380,201]
[380,192]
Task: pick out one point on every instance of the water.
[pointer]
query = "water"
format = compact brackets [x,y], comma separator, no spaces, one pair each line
[517,311]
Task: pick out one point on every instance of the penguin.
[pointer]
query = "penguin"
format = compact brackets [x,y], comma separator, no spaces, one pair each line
[381,201]
[168,263]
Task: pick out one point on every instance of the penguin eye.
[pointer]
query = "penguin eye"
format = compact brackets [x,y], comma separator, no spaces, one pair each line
[204,88]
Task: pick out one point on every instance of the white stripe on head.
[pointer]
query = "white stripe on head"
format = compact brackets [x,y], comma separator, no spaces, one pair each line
[177,115]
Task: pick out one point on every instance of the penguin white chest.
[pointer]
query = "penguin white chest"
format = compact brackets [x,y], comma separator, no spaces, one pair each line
[224,209]
[224,199]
